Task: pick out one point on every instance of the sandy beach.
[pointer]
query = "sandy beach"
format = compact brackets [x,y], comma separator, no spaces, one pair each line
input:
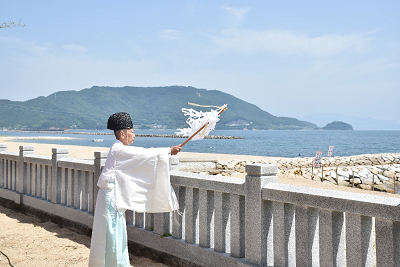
[28,241]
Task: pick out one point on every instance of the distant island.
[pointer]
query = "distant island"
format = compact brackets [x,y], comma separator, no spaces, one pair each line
[338,125]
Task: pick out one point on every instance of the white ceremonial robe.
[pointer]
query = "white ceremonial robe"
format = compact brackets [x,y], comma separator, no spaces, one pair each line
[133,178]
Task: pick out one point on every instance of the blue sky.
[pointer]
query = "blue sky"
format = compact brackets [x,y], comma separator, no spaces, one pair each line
[290,58]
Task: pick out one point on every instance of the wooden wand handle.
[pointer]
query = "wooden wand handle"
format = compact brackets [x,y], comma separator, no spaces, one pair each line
[187,140]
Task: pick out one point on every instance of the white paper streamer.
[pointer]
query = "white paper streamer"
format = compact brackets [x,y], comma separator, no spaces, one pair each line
[196,120]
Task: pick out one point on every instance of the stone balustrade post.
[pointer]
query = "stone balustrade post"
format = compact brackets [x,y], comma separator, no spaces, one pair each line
[161,223]
[99,161]
[3,147]
[173,163]
[55,179]
[257,227]
[22,172]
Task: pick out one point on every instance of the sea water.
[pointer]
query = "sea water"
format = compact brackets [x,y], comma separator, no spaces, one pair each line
[282,143]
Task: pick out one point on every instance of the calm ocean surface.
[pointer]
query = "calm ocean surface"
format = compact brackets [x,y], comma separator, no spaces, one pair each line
[261,143]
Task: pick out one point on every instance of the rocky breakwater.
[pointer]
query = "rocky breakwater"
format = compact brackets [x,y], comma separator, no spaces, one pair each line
[136,134]
[371,171]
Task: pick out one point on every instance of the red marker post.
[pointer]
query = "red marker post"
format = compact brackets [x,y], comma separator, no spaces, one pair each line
[330,152]
[316,162]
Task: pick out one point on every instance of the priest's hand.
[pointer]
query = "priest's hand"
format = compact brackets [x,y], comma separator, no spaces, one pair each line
[175,149]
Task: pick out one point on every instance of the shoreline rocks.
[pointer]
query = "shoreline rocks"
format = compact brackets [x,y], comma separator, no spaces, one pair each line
[369,172]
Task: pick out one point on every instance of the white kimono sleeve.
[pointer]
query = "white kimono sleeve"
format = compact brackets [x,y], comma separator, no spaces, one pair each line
[143,181]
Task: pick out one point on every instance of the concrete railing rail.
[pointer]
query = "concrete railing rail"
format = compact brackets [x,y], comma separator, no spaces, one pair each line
[226,221]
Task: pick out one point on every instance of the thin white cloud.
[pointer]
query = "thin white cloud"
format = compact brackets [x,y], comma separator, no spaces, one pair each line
[238,13]
[170,34]
[45,70]
[31,47]
[289,43]
[75,48]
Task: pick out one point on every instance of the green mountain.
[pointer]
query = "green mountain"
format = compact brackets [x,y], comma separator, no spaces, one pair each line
[150,107]
[337,125]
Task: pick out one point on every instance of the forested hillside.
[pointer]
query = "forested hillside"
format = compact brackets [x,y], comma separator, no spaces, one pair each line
[150,107]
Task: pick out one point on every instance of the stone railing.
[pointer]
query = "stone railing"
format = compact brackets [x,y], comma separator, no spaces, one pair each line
[226,221]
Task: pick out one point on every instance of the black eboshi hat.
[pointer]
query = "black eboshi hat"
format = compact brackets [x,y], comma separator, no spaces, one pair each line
[119,121]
